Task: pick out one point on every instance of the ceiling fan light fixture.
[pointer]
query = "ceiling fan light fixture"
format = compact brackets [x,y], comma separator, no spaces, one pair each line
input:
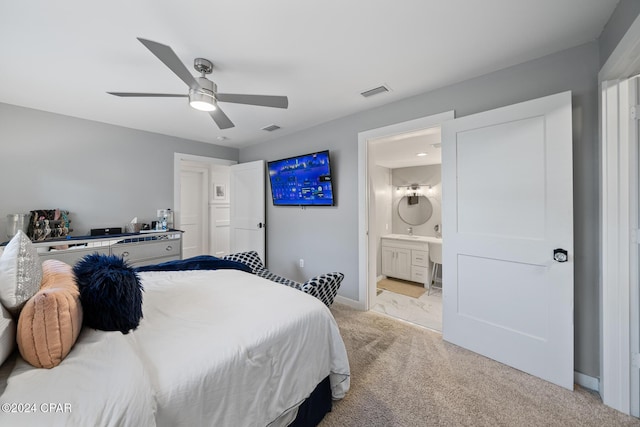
[202,105]
[202,101]
[203,93]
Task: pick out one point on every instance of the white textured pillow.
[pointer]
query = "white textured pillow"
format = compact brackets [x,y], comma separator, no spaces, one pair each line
[20,273]
[7,334]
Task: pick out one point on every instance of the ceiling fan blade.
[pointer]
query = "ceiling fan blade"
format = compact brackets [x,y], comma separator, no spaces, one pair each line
[261,100]
[148,95]
[221,119]
[171,60]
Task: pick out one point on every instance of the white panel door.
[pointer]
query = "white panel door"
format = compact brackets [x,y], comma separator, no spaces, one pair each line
[247,207]
[507,206]
[220,222]
[193,207]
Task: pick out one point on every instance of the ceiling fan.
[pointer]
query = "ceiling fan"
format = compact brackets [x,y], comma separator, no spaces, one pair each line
[203,93]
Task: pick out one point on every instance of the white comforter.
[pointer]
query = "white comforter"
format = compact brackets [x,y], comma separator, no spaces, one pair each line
[102,382]
[215,348]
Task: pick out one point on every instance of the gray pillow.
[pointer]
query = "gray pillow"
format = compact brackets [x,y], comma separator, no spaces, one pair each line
[20,273]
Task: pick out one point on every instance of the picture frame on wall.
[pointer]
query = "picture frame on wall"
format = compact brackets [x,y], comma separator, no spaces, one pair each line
[219,192]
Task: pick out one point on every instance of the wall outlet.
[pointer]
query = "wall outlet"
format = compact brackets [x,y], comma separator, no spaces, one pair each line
[301,262]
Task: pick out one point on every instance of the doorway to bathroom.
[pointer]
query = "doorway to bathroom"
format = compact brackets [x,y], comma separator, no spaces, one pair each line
[404,213]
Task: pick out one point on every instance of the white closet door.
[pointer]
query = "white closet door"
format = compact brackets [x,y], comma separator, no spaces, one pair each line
[193,209]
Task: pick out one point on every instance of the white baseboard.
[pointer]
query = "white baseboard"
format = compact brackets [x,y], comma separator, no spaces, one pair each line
[586,381]
[350,302]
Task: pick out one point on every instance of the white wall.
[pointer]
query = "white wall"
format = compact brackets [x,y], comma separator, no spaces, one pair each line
[381,200]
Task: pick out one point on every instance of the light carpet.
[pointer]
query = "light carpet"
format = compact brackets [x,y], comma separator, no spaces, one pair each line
[410,289]
[405,375]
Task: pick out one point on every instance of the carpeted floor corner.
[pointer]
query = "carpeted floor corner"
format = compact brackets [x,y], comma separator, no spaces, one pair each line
[405,375]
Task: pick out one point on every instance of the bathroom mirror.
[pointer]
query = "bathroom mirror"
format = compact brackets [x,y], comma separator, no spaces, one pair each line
[415,213]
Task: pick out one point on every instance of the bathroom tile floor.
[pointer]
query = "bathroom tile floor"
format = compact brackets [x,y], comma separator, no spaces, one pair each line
[425,311]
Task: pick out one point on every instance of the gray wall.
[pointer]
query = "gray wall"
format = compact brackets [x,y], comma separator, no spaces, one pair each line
[621,19]
[103,174]
[328,237]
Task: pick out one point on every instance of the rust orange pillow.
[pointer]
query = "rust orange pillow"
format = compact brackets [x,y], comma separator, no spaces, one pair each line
[50,322]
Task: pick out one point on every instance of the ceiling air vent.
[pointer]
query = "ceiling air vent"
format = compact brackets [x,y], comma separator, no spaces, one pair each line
[271,128]
[375,91]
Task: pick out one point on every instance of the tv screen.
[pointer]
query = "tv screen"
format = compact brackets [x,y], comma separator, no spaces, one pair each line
[302,180]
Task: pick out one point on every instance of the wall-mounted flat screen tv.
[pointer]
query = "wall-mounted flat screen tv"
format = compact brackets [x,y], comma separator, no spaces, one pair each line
[302,180]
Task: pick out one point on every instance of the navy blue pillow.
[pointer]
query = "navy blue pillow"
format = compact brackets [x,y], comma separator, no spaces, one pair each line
[110,293]
[200,262]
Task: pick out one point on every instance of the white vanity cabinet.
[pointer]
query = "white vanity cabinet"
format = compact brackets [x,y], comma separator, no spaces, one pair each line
[396,262]
[405,259]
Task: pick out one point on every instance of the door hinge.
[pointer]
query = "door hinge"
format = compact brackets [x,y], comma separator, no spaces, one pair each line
[634,111]
[635,360]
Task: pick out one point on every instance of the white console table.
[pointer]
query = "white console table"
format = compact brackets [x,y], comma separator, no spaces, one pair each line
[137,248]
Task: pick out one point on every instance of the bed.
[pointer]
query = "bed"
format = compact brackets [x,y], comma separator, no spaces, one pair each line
[214,348]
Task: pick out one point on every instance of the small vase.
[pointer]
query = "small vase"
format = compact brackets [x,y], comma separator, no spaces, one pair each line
[15,222]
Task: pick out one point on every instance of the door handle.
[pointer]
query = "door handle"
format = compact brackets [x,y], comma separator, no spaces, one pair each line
[560,255]
[260,225]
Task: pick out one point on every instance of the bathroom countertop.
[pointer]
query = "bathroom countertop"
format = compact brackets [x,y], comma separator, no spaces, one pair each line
[413,238]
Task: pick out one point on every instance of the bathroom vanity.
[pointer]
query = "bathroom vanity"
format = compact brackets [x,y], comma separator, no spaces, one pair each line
[407,257]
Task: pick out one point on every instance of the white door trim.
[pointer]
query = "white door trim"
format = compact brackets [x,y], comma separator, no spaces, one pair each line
[366,241]
[619,285]
[634,271]
[619,244]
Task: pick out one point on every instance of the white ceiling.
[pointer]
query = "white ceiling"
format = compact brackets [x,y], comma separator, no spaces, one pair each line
[63,56]
[401,151]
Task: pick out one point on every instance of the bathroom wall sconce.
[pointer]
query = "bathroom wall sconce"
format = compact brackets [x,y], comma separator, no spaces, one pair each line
[416,190]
